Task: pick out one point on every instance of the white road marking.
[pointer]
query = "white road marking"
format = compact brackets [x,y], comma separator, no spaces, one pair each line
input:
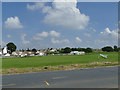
[8,85]
[58,77]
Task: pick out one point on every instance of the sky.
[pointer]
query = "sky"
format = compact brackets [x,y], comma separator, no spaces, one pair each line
[60,24]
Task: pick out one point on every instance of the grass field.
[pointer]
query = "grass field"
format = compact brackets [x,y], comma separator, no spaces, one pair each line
[42,61]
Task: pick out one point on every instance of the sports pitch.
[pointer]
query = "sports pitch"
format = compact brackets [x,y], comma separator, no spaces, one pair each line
[41,61]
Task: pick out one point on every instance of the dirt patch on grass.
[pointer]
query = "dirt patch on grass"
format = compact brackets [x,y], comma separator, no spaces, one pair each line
[60,67]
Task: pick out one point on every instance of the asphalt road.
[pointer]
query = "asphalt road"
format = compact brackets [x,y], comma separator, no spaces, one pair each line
[104,77]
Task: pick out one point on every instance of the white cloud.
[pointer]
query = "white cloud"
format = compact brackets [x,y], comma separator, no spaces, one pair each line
[54,34]
[78,39]
[107,30]
[46,9]
[106,38]
[94,30]
[8,36]
[87,35]
[35,6]
[13,23]
[23,39]
[59,41]
[65,14]
[113,33]
[40,36]
[43,34]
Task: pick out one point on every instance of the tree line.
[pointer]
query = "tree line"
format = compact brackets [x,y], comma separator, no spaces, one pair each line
[68,50]
[12,47]
[110,49]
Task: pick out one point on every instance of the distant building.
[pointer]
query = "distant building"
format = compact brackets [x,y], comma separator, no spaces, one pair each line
[5,51]
[40,53]
[53,50]
[7,55]
[77,52]
[14,54]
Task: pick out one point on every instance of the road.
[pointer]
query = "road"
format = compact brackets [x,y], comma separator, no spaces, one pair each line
[104,77]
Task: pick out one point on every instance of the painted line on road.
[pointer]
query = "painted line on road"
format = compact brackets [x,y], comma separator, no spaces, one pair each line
[8,85]
[47,83]
[58,77]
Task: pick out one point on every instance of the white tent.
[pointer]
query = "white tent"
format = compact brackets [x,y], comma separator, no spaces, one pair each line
[77,52]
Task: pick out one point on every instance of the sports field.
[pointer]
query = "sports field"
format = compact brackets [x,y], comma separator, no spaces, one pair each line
[41,61]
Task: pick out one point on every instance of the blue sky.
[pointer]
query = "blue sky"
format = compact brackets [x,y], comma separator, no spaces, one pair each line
[57,25]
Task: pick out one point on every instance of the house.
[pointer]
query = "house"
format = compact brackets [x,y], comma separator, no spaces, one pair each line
[25,53]
[7,55]
[30,53]
[4,51]
[40,53]
[53,50]
[20,53]
[77,52]
[14,53]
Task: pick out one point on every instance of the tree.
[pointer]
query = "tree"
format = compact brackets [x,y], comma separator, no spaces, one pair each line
[11,47]
[23,50]
[34,50]
[51,48]
[108,49]
[67,50]
[74,49]
[28,49]
[61,51]
[88,50]
[116,48]
[81,49]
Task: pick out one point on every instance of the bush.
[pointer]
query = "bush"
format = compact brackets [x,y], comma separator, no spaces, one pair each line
[108,49]
[88,50]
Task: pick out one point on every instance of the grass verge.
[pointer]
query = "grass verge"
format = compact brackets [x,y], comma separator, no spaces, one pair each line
[59,67]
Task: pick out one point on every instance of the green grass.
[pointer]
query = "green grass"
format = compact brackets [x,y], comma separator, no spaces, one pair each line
[41,61]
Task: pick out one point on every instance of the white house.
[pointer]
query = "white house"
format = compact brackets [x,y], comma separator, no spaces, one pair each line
[41,54]
[37,52]
[53,50]
[5,50]
[20,53]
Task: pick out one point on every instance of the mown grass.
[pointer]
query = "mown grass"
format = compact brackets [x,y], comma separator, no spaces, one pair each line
[42,61]
[54,68]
